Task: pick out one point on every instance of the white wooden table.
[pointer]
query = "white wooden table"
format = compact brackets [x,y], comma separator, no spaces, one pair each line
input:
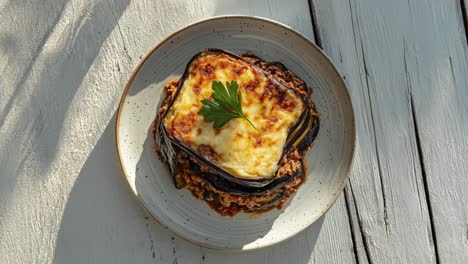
[64,64]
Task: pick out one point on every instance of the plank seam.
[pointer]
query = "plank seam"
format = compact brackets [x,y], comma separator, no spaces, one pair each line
[354,31]
[353,232]
[313,16]
[409,88]
[424,178]
[372,121]
[361,229]
[465,18]
[419,150]
[379,165]
[318,41]
[452,71]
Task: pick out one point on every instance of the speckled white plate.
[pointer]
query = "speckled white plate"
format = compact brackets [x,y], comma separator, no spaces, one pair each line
[328,162]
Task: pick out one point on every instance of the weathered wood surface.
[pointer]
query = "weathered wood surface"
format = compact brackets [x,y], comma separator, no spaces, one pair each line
[64,66]
[406,65]
[65,63]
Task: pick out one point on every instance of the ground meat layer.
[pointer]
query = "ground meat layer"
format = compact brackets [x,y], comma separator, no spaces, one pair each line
[229,204]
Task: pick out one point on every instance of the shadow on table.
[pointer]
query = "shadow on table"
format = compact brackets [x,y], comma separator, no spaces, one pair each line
[54,74]
[103,223]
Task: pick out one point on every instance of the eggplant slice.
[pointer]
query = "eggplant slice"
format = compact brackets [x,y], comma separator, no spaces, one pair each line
[300,136]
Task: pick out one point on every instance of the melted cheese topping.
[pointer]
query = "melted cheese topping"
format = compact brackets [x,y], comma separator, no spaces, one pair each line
[236,147]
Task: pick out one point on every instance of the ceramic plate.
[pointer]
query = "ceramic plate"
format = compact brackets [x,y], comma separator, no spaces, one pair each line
[328,163]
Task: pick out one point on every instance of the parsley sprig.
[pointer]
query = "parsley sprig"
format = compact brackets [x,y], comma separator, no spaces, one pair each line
[225,104]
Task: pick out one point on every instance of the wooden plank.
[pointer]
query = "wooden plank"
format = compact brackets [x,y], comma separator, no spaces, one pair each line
[64,65]
[437,73]
[365,39]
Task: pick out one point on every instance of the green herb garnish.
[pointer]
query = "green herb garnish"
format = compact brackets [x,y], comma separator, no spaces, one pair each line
[224,105]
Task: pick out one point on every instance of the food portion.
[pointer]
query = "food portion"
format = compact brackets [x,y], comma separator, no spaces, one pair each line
[240,148]
[234,130]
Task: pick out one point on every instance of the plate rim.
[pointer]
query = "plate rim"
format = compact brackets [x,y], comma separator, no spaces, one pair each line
[332,199]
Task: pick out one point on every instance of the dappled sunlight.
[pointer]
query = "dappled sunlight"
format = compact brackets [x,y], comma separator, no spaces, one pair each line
[101,214]
[63,67]
[45,139]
